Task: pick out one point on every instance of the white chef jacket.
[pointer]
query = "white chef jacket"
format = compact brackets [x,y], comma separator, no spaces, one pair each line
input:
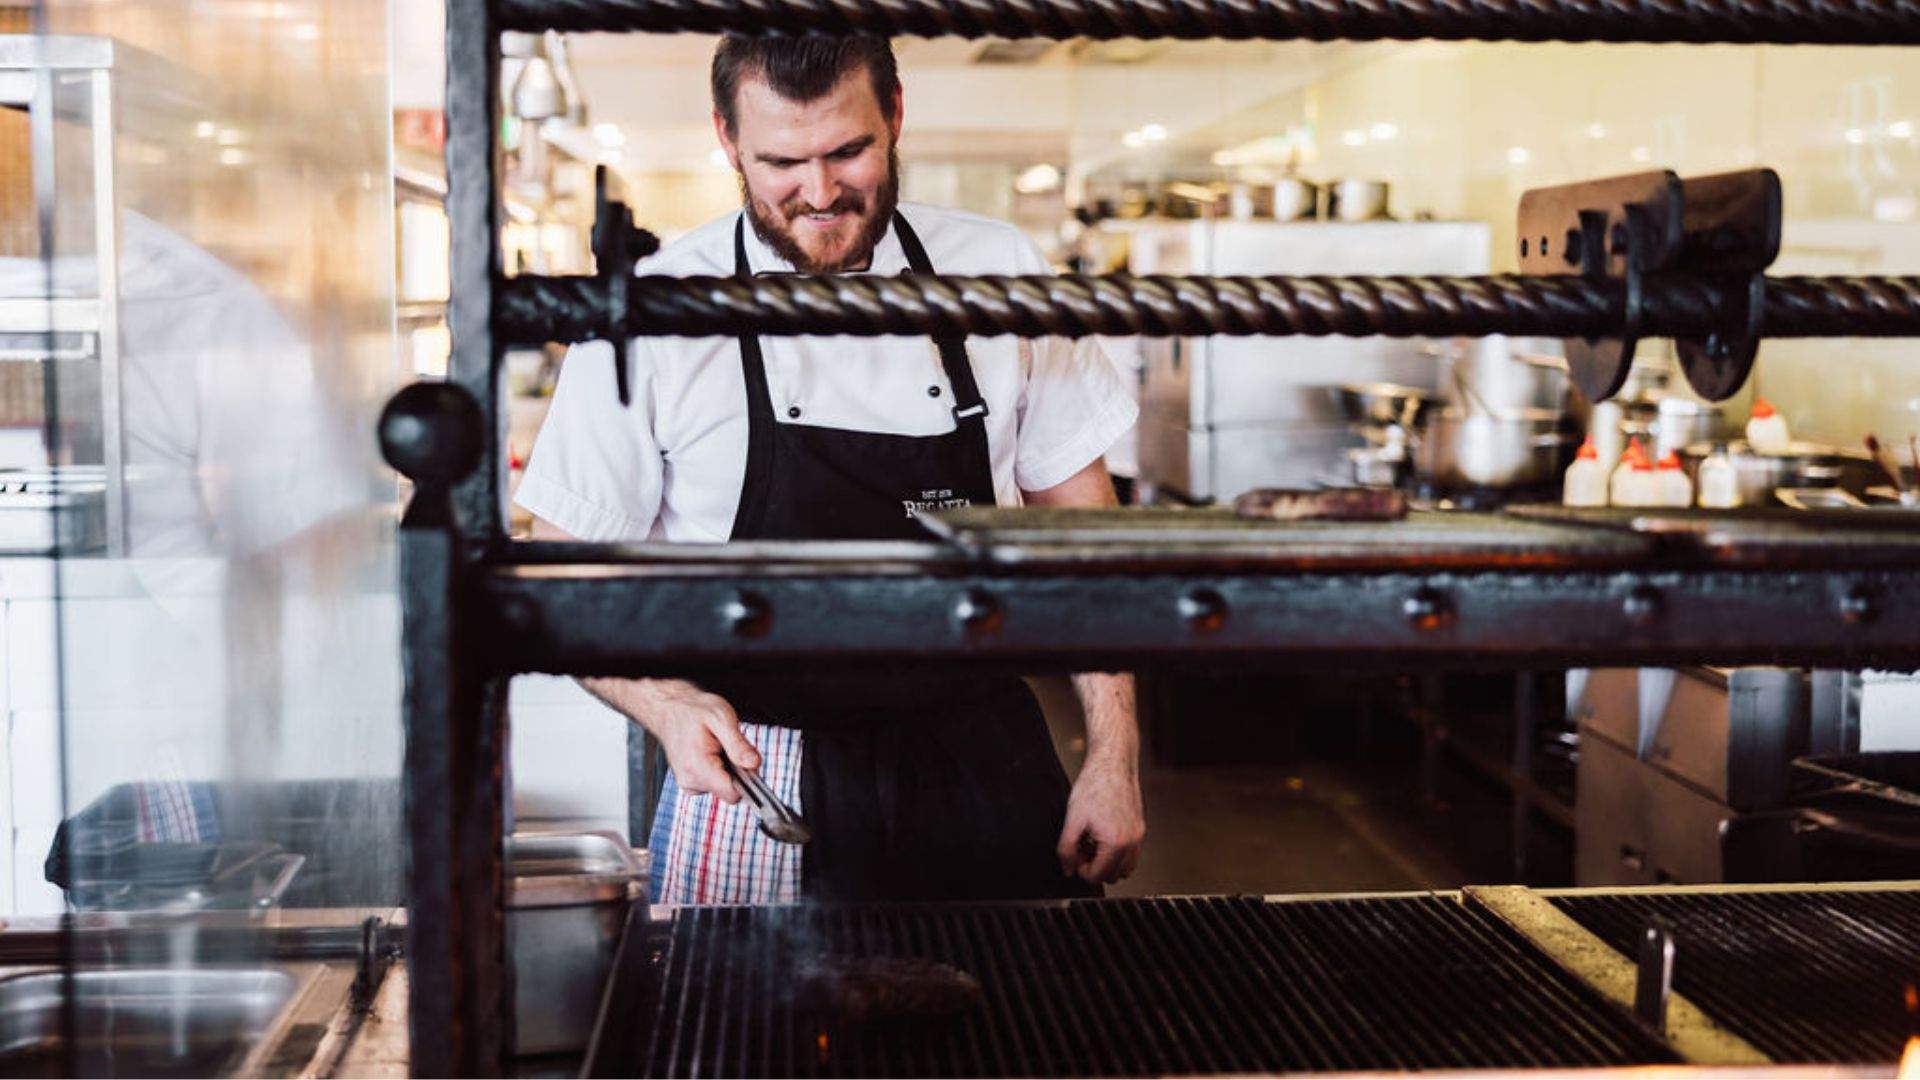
[671,465]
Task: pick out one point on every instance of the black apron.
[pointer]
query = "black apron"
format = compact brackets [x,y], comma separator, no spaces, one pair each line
[919,786]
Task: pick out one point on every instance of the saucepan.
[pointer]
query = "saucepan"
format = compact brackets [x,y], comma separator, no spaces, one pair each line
[1380,404]
[1499,448]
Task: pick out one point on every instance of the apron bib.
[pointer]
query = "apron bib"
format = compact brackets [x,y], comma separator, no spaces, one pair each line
[919,786]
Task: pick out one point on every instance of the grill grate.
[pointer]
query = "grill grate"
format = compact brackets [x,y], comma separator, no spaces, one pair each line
[1125,987]
[1803,976]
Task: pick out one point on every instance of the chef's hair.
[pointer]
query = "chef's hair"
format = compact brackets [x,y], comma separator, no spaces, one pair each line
[801,68]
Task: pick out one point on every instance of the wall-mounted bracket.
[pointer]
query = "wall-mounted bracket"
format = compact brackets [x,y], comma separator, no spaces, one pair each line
[1654,227]
[617,245]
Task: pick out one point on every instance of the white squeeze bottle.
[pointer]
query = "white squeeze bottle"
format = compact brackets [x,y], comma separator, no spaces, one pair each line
[1766,428]
[1719,484]
[1625,486]
[1586,483]
[1673,487]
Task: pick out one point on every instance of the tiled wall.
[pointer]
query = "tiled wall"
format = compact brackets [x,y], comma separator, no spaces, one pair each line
[1462,130]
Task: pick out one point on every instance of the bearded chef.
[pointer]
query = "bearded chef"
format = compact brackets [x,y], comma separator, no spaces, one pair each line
[915,786]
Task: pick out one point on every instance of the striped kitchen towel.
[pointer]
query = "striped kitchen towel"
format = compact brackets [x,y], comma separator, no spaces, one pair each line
[170,809]
[716,853]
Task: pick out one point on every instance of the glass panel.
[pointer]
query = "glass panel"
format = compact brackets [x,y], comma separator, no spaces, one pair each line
[203,678]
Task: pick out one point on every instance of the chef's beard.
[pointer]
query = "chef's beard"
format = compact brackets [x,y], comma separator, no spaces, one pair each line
[774,226]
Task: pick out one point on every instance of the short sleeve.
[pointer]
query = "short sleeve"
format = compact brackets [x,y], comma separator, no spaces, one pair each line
[596,471]
[1074,405]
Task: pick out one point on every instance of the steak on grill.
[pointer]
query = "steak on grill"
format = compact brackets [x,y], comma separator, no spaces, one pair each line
[856,989]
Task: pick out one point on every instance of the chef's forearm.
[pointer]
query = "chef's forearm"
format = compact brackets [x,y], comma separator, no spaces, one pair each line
[636,698]
[1113,733]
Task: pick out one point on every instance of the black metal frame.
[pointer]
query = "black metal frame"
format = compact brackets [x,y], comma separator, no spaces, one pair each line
[479,610]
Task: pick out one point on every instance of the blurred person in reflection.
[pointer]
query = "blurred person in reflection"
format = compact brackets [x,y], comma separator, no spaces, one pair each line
[918,785]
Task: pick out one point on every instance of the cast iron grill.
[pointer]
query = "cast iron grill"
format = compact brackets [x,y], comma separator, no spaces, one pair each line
[1803,976]
[1122,988]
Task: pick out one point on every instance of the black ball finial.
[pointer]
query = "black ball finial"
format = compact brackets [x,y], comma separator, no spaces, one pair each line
[432,432]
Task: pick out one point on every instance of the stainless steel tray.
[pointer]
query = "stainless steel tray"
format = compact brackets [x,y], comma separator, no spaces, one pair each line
[140,1021]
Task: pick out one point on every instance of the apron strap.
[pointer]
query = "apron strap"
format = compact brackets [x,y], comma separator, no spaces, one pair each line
[968,405]
[750,516]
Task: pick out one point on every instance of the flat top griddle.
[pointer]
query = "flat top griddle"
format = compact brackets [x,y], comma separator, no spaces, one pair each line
[1113,988]
[1818,976]
[1165,537]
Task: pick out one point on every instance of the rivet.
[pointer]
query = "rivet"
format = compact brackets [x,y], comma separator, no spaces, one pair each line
[978,611]
[1428,609]
[793,412]
[517,612]
[1642,606]
[1857,605]
[747,614]
[933,391]
[1203,609]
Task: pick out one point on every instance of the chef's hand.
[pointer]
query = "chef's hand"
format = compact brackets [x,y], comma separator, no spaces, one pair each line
[693,726]
[1101,839]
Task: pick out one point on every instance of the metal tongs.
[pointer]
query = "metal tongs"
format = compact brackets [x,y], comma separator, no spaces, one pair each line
[777,819]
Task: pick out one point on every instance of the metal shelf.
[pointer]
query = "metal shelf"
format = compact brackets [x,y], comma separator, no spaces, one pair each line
[41,316]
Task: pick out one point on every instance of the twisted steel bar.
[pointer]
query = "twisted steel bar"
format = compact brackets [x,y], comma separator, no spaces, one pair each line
[1785,22]
[567,309]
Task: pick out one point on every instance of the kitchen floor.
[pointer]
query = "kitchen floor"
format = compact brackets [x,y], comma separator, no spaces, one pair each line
[1300,819]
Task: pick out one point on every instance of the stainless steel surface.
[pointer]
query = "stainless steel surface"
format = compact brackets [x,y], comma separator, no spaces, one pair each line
[777,819]
[1507,377]
[1227,414]
[552,869]
[1490,450]
[567,896]
[1383,403]
[1682,422]
[1357,200]
[139,1021]
[1669,755]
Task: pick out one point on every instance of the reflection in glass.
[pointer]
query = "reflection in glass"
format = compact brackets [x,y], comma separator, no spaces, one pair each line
[204,682]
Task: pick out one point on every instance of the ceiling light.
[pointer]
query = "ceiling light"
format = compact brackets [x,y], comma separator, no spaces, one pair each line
[609,135]
[1518,155]
[1901,129]
[205,129]
[1641,153]
[1854,136]
[1153,132]
[1133,140]
[1356,137]
[1384,132]
[306,32]
[1596,131]
[233,157]
[1037,180]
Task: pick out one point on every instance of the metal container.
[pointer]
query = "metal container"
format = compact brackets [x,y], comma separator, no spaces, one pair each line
[567,900]
[1295,199]
[1380,404]
[140,1021]
[1503,449]
[1681,422]
[1357,200]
